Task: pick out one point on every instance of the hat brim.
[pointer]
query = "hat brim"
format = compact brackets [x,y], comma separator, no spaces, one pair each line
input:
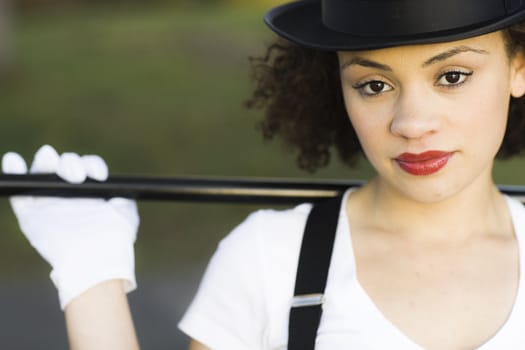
[301,23]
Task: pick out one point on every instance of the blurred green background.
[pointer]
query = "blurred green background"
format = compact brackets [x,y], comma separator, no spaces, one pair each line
[156,88]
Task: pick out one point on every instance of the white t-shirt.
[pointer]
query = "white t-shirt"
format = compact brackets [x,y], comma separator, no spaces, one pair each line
[244,299]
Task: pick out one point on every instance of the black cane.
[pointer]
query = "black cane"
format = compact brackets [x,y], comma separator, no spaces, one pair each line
[200,189]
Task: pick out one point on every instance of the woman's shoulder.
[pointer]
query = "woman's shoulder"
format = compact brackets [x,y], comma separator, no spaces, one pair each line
[249,280]
[267,241]
[270,226]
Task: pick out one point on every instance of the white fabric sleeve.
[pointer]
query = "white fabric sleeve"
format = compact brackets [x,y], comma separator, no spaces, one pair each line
[228,311]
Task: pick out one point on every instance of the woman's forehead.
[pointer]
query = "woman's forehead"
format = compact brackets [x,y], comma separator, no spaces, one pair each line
[487,43]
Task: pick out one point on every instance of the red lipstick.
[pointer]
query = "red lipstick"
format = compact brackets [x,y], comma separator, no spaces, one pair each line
[426,163]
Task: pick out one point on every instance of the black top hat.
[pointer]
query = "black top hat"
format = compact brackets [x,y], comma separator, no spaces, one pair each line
[371,24]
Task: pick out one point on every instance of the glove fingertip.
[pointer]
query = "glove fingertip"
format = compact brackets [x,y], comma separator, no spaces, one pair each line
[71,168]
[96,167]
[46,160]
[13,163]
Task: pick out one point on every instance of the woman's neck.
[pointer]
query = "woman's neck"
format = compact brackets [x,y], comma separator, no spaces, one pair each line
[478,209]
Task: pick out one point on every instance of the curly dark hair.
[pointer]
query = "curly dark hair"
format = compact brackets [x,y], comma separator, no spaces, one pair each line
[300,91]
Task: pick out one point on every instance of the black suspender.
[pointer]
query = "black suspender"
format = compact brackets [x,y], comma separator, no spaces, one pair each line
[312,273]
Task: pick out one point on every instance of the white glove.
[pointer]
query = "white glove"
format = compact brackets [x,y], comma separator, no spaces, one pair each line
[86,241]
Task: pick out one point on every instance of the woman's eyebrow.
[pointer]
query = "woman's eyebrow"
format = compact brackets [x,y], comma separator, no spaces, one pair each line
[437,58]
[365,63]
[452,52]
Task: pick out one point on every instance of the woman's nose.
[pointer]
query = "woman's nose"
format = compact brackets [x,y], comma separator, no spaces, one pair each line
[416,115]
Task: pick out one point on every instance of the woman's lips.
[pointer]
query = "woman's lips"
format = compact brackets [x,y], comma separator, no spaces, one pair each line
[426,163]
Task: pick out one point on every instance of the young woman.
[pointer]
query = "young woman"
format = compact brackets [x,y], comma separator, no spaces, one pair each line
[426,255]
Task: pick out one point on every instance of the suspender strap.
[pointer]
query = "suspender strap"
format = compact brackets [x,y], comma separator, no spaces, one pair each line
[312,273]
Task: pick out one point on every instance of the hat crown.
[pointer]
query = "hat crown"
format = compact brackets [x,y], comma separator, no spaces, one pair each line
[412,17]
[343,25]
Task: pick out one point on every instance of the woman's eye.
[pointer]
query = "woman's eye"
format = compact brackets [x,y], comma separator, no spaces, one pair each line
[454,78]
[373,87]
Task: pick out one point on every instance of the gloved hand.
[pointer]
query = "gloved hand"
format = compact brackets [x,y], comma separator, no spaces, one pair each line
[86,241]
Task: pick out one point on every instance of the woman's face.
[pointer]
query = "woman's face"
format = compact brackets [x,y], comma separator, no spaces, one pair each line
[431,118]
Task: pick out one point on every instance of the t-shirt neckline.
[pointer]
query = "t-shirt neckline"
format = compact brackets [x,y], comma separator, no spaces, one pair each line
[517,213]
